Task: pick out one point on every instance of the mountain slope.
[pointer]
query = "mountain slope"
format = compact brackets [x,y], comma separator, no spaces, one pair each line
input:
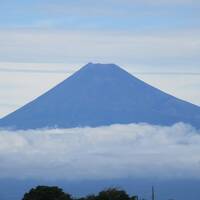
[102,94]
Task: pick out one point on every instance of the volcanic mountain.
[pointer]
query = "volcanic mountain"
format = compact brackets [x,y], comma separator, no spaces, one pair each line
[98,95]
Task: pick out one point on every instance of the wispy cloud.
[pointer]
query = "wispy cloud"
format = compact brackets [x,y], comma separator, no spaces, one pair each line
[135,150]
[21,70]
[70,72]
[74,46]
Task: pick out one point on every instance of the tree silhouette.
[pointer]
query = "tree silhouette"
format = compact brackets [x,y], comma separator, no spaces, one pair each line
[46,193]
[55,193]
[113,194]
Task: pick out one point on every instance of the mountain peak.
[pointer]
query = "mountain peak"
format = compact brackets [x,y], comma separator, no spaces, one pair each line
[97,65]
[93,71]
[101,67]
[102,94]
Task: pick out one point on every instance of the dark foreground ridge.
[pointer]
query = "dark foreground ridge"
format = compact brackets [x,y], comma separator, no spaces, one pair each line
[102,94]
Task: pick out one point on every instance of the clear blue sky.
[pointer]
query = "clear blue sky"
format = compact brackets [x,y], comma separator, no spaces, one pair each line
[139,35]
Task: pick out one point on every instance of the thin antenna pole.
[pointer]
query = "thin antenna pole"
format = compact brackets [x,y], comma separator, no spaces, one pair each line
[153,193]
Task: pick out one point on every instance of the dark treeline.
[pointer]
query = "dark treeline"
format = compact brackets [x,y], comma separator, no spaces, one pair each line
[55,193]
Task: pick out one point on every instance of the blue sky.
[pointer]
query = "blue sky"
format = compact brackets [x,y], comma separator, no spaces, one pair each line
[106,14]
[167,20]
[61,36]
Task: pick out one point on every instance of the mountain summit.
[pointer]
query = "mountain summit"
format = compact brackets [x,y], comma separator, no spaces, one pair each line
[102,94]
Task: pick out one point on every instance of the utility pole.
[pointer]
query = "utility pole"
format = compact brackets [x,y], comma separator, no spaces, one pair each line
[153,194]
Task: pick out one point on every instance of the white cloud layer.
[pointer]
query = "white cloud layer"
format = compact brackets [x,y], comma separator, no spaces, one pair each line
[135,150]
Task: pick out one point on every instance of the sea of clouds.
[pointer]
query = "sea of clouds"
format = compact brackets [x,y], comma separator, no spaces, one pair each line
[117,151]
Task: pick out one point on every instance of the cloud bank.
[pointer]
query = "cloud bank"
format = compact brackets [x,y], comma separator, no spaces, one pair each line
[117,151]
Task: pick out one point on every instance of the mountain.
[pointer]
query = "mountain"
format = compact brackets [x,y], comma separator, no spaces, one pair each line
[102,94]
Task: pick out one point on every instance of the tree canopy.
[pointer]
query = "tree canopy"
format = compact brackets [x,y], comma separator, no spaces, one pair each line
[55,193]
[46,193]
[113,194]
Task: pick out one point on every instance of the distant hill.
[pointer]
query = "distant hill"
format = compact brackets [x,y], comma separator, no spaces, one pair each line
[102,94]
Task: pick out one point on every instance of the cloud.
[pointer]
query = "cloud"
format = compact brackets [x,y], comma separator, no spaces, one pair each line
[117,151]
[34,71]
[121,47]
[113,8]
